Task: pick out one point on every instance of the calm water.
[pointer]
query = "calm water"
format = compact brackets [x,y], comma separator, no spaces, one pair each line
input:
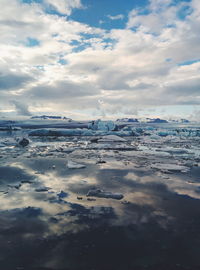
[44,226]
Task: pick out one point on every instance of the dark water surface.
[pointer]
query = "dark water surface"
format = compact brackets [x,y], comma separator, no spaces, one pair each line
[44,226]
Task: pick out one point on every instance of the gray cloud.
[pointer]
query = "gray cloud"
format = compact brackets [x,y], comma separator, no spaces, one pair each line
[187,87]
[13,81]
[62,90]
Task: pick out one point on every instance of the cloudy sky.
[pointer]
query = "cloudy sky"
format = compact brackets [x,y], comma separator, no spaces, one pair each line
[100,58]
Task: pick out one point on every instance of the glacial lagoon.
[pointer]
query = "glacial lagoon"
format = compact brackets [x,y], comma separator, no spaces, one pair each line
[60,207]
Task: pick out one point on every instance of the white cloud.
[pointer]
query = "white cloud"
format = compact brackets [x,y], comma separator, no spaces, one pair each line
[116,17]
[126,68]
[64,6]
[157,5]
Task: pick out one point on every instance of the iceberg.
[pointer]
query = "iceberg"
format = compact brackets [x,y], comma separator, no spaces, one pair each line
[103,125]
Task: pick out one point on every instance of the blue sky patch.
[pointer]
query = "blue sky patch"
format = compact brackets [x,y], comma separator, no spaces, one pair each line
[80,48]
[31,1]
[62,61]
[190,62]
[96,12]
[32,42]
[184,12]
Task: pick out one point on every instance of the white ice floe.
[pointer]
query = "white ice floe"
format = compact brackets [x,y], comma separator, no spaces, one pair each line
[111,146]
[74,165]
[111,138]
[77,132]
[170,167]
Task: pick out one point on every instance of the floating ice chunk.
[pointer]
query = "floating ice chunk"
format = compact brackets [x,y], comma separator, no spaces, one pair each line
[135,131]
[100,161]
[91,199]
[170,167]
[155,137]
[111,146]
[94,140]
[107,126]
[87,132]
[119,133]
[191,164]
[42,189]
[104,194]
[127,128]
[111,138]
[10,128]
[166,133]
[74,165]
[102,125]
[150,128]
[23,142]
[56,132]
[77,132]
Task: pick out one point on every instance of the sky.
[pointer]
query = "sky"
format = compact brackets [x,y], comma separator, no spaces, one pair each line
[89,59]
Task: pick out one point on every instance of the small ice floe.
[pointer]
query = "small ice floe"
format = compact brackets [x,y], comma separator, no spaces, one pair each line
[94,140]
[125,202]
[191,164]
[170,167]
[100,160]
[111,138]
[91,199]
[2,145]
[74,165]
[42,189]
[23,142]
[104,194]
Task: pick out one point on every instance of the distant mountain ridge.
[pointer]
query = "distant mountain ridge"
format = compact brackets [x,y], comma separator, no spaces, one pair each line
[54,117]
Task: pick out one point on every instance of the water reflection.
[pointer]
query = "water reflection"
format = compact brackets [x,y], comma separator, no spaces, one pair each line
[43,225]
